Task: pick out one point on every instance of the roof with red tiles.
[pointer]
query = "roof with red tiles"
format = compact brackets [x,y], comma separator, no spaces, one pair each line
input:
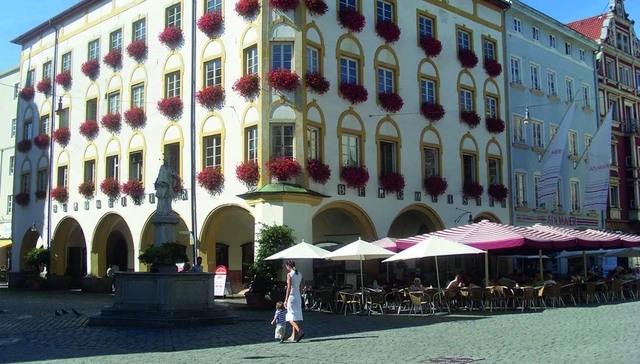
[590,27]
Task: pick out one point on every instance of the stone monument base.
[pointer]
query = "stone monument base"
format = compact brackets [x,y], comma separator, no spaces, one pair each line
[163,300]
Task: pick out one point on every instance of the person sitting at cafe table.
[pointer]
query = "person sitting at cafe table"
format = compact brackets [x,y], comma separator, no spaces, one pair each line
[537,280]
[416,285]
[549,279]
[592,277]
[456,283]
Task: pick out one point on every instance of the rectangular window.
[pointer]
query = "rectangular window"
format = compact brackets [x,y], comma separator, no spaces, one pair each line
[27,130]
[517,26]
[494,171]
[466,100]
[135,165]
[536,134]
[94,49]
[46,71]
[251,60]
[63,176]
[213,73]
[25,182]
[614,155]
[66,62]
[575,196]
[614,198]
[14,126]
[313,143]
[535,33]
[212,151]
[573,143]
[112,167]
[16,90]
[551,83]
[348,70]
[90,170]
[638,81]
[587,140]
[552,41]
[567,48]
[611,70]
[31,74]
[515,71]
[518,130]
[12,165]
[521,196]
[139,30]
[464,40]
[115,40]
[92,109]
[42,181]
[384,11]
[351,4]
[282,140]
[387,157]
[114,102]
[281,55]
[350,150]
[553,129]
[385,80]
[172,84]
[172,153]
[213,5]
[425,25]
[9,204]
[569,87]
[469,168]
[614,107]
[489,49]
[491,106]
[622,42]
[431,162]
[535,77]
[312,59]
[173,16]
[137,95]
[251,141]
[536,197]
[586,96]
[557,203]
[582,55]
[428,90]
[44,124]
[63,118]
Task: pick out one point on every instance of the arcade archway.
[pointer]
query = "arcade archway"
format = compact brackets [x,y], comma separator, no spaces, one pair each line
[112,244]
[414,220]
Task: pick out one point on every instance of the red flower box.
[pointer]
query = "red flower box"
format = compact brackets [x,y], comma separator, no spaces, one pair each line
[248,172]
[86,189]
[211,23]
[283,80]
[432,111]
[62,136]
[60,194]
[470,118]
[317,7]
[248,86]
[91,68]
[212,180]
[22,199]
[171,107]
[44,86]
[212,97]
[177,188]
[171,37]
[388,31]
[40,195]
[27,93]
[113,59]
[392,182]
[351,19]
[498,192]
[435,185]
[110,187]
[137,50]
[134,189]
[284,5]
[318,171]
[353,92]
[467,58]
[283,168]
[64,79]
[391,101]
[494,125]
[492,67]
[42,141]
[89,129]
[247,9]
[316,83]
[472,189]
[354,176]
[431,46]
[112,122]
[135,117]
[24,146]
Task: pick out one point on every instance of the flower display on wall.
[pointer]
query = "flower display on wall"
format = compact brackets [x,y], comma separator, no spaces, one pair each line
[89,129]
[91,68]
[392,182]
[212,97]
[171,37]
[24,146]
[353,92]
[86,189]
[44,86]
[470,117]
[178,188]
[494,125]
[62,136]
[283,168]
[112,122]
[137,50]
[64,79]
[498,192]
[248,172]
[318,171]
[432,111]
[472,189]
[388,31]
[40,195]
[27,93]
[316,83]
[391,101]
[248,86]
[110,187]
[171,107]
[113,59]
[135,117]
[22,199]
[354,176]
[42,141]
[467,58]
[134,189]
[317,7]
[211,24]
[431,46]
[283,80]
[247,9]
[492,67]
[351,19]
[284,5]
[435,185]
[60,194]
[212,180]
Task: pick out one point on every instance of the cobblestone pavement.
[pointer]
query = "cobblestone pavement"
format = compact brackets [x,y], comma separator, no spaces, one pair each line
[30,332]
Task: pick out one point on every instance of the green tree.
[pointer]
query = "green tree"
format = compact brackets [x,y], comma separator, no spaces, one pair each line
[264,273]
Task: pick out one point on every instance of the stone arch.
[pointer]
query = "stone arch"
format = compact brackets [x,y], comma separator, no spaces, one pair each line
[69,250]
[250,114]
[249,37]
[313,34]
[485,215]
[464,76]
[424,136]
[359,218]
[282,28]
[282,110]
[414,220]
[114,82]
[29,242]
[139,73]
[464,145]
[148,232]
[112,239]
[173,61]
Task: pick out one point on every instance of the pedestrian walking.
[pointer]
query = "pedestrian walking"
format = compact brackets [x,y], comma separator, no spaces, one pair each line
[293,301]
[279,319]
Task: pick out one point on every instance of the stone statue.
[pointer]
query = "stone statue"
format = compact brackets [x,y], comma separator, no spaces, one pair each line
[164,185]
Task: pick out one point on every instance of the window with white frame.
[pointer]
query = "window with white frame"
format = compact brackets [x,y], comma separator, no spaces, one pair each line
[625,75]
[431,162]
[536,134]
[114,102]
[384,11]
[251,60]
[611,69]
[582,55]
[46,71]
[14,126]
[494,171]
[515,70]
[9,204]
[387,157]
[586,96]
[521,196]
[213,73]
[63,176]
[567,48]
[27,130]
[213,5]
[115,40]
[94,49]
[350,4]
[63,118]
[42,180]
[535,33]
[552,41]
[25,182]
[282,140]
[614,155]
[313,64]
[535,76]
[281,55]
[16,90]
[489,49]
[314,143]
[551,83]
[569,88]
[91,109]
[622,42]
[212,152]
[466,100]
[536,184]
[135,165]
[173,17]
[464,40]
[112,167]
[518,129]
[425,25]
[613,105]
[137,95]
[31,76]
[575,195]
[348,70]
[139,30]
[172,84]
[350,150]
[469,168]
[428,90]
[44,124]
[573,143]
[66,62]
[557,203]
[491,106]
[517,26]
[251,143]
[614,197]
[385,80]
[12,165]
[90,170]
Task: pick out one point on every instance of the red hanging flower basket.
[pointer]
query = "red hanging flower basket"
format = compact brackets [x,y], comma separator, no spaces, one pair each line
[110,187]
[391,101]
[137,50]
[113,59]
[283,80]
[42,141]
[64,79]
[498,192]
[392,182]
[91,68]
[89,129]
[40,195]
[351,19]
[212,180]
[27,93]
[318,171]
[494,125]
[285,5]
[435,185]
[60,194]
[353,92]
[171,107]
[44,86]
[248,86]
[135,117]
[211,24]
[283,168]
[467,58]
[248,172]
[112,122]
[354,176]
[472,189]
[431,46]
[134,189]
[470,118]
[62,136]
[177,188]
[171,37]
[316,83]
[492,67]
[432,111]
[212,97]
[388,31]
[24,146]
[248,9]
[22,199]
[86,189]
[317,7]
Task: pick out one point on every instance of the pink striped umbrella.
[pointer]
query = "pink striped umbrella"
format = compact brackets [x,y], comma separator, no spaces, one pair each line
[628,240]
[387,243]
[589,239]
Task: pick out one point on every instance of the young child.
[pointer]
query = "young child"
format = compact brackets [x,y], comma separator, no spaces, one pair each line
[279,321]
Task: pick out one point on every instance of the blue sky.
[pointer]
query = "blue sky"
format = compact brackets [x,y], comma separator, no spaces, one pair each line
[21,15]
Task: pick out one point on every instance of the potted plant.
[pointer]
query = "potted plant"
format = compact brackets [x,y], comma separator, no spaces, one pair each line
[112,122]
[178,188]
[211,24]
[40,195]
[163,258]
[212,180]
[284,5]
[35,281]
[494,125]
[472,189]
[470,117]
[318,171]
[353,92]
[60,194]
[113,59]
[467,58]
[89,129]
[171,107]
[27,93]
[248,172]
[283,168]
[391,101]
[87,189]
[392,182]
[42,141]
[22,199]
[24,146]
[351,19]
[316,82]
[171,37]
[137,50]
[44,86]
[492,67]
[62,136]
[247,9]
[431,46]
[317,7]
[498,192]
[91,68]
[134,189]
[248,86]
[110,187]
[212,97]
[432,111]
[388,31]
[135,117]
[435,185]
[36,258]
[355,176]
[283,80]
[64,79]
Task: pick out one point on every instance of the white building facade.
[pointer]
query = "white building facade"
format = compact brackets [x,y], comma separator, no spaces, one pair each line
[87,234]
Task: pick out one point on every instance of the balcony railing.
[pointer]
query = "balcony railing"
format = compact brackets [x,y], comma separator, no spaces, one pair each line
[630,126]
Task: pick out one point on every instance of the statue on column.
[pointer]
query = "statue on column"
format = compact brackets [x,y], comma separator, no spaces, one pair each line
[164,185]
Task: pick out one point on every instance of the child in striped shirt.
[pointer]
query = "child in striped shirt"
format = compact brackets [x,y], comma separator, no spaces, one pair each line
[279,321]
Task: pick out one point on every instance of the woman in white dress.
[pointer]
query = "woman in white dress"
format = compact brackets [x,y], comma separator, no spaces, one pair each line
[293,300]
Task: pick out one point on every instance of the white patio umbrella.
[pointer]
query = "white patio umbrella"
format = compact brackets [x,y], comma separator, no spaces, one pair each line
[434,247]
[359,250]
[624,252]
[300,251]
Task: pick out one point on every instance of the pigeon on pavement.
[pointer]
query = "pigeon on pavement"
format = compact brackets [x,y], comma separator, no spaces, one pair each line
[76,312]
[57,313]
[64,311]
